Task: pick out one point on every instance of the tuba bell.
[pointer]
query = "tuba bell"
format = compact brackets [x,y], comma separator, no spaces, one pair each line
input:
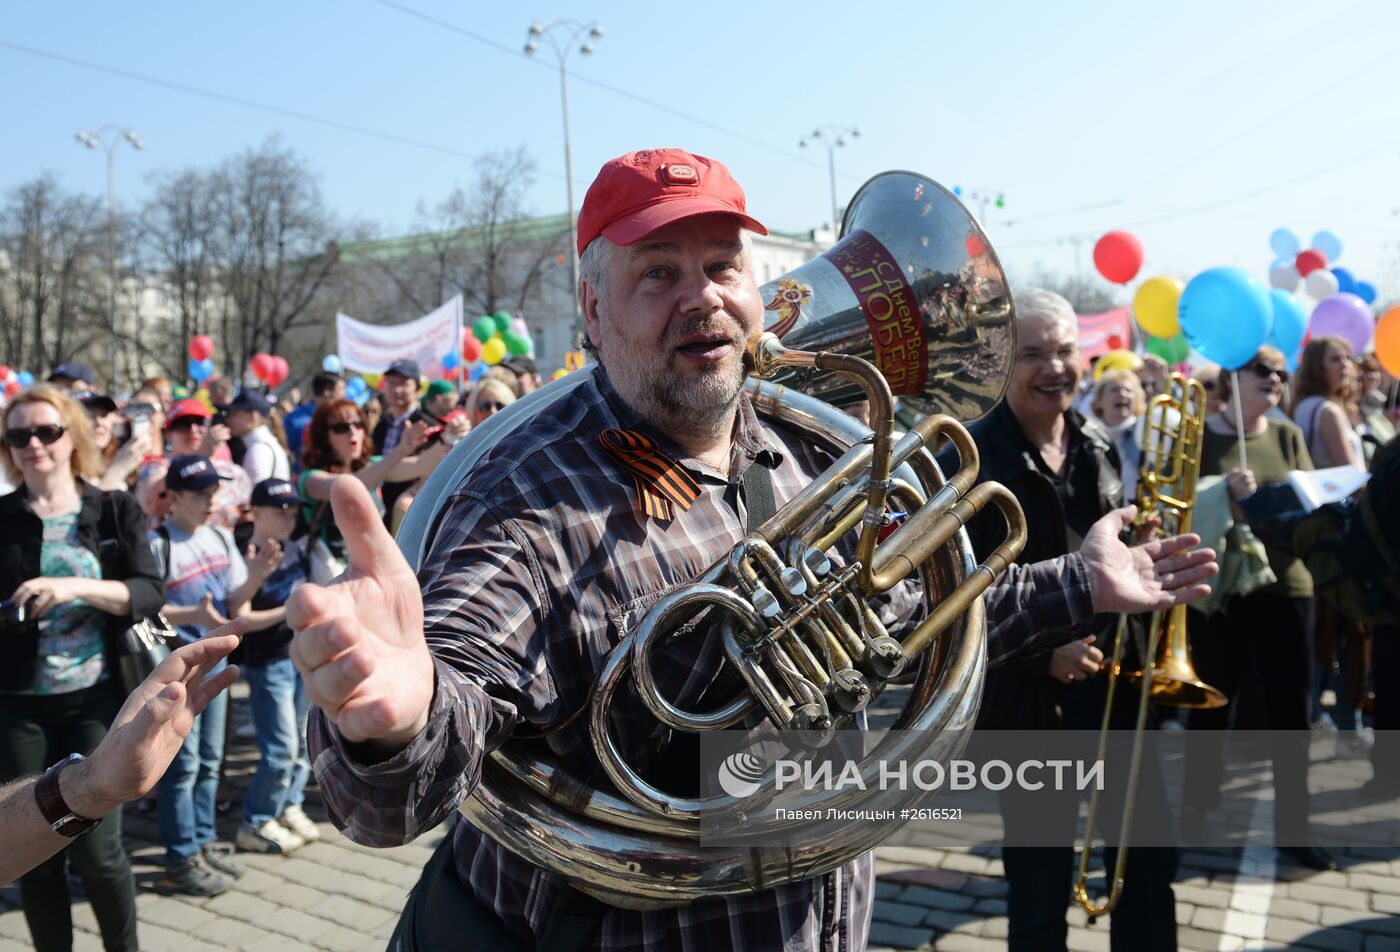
[911,304]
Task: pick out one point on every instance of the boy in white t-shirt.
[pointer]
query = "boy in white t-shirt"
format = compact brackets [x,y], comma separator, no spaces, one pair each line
[207,581]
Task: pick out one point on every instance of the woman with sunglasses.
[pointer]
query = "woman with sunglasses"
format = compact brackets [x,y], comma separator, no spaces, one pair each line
[490,396]
[1261,642]
[76,562]
[337,443]
[191,431]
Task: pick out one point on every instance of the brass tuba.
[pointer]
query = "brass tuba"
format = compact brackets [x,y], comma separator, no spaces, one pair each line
[910,303]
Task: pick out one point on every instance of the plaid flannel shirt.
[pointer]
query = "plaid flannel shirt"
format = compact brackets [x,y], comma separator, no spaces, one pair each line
[539,563]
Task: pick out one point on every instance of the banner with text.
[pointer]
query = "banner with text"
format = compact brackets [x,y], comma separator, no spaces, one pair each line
[371,348]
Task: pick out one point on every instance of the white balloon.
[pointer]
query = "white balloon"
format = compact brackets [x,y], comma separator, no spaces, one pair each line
[1285,276]
[1321,284]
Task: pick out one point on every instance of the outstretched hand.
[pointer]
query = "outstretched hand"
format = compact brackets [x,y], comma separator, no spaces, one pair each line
[1154,576]
[359,642]
[152,725]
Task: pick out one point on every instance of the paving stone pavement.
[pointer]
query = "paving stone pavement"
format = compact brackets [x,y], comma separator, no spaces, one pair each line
[334,895]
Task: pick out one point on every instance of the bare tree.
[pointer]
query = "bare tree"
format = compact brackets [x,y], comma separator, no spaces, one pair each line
[174,233]
[482,243]
[272,247]
[1086,295]
[51,306]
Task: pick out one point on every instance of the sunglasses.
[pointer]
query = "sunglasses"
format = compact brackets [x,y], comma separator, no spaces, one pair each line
[48,433]
[491,407]
[1264,372]
[188,423]
[1208,386]
[346,426]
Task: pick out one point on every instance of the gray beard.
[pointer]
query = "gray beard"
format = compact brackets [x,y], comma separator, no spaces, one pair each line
[701,408]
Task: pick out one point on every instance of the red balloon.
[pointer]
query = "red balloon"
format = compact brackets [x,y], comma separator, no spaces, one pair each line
[201,347]
[261,365]
[450,373]
[11,388]
[471,348]
[1118,256]
[277,371]
[1309,261]
[1115,342]
[975,246]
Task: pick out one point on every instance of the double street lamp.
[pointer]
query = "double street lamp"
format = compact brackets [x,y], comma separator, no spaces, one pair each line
[833,137]
[563,36]
[109,138]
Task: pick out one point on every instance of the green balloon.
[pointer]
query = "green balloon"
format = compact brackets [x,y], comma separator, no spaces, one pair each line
[516,343]
[1173,350]
[484,328]
[502,321]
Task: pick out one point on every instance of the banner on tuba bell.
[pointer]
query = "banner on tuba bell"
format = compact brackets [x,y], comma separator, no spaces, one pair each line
[914,287]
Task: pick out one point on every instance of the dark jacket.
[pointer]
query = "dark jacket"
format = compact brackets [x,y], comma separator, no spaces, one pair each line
[1021,694]
[392,491]
[125,557]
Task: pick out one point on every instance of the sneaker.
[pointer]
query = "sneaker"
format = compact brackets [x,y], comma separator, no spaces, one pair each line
[1357,744]
[295,819]
[194,878]
[219,856]
[271,837]
[1324,722]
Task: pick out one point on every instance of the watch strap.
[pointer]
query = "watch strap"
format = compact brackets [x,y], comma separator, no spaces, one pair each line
[55,809]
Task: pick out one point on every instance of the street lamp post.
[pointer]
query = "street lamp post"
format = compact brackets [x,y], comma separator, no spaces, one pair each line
[833,137]
[563,36]
[109,137]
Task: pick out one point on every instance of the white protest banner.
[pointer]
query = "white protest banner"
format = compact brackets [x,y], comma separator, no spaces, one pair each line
[371,348]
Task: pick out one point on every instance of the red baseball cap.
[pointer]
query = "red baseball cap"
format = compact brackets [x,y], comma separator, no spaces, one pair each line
[642,191]
[187,407]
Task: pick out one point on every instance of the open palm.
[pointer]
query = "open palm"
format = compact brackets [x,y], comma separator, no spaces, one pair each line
[358,642]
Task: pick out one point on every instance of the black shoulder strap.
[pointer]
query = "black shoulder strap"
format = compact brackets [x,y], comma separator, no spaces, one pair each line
[164,534]
[758,494]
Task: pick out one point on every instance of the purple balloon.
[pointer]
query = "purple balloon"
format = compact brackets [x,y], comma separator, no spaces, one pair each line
[1345,316]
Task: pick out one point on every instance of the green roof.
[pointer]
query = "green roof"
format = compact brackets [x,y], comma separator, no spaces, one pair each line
[468,239]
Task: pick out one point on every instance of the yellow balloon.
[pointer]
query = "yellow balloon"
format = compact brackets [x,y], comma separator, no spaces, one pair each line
[561,372]
[1117,360]
[202,395]
[493,351]
[1154,305]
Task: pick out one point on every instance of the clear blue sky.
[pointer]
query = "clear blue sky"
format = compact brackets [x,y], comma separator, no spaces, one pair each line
[1200,127]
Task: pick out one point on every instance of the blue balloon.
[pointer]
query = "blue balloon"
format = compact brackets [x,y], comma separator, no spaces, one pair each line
[330,364]
[1329,244]
[1366,291]
[197,370]
[450,360]
[478,372]
[1285,244]
[25,378]
[356,387]
[1226,315]
[1290,322]
[360,398]
[1346,282]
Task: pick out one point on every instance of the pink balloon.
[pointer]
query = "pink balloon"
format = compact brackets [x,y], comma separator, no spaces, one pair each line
[261,365]
[1345,316]
[201,347]
[277,372]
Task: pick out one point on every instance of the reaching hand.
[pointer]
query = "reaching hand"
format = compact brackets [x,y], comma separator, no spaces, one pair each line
[266,560]
[206,616]
[359,642]
[1076,661]
[1151,577]
[152,725]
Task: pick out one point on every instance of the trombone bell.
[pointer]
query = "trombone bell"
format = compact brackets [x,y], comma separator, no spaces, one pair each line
[1174,680]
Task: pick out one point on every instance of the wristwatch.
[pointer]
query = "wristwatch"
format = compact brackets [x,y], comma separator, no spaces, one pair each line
[51,804]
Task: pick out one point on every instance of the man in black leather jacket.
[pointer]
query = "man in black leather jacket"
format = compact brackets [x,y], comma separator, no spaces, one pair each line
[1065,471]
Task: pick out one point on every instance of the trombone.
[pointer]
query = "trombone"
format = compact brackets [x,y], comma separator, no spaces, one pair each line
[1174,427]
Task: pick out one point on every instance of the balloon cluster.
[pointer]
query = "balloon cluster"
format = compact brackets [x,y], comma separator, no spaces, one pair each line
[13,381]
[357,389]
[201,349]
[493,337]
[269,368]
[1311,267]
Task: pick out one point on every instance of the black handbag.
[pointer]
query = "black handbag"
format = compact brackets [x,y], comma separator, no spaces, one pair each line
[141,648]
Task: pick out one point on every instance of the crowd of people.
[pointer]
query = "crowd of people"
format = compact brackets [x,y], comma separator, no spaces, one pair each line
[249,514]
[122,510]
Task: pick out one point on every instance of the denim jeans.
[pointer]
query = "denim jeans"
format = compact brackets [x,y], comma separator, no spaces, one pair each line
[279,703]
[185,796]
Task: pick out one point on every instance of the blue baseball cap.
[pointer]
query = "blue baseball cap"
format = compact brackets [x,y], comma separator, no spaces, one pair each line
[192,473]
[277,493]
[71,371]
